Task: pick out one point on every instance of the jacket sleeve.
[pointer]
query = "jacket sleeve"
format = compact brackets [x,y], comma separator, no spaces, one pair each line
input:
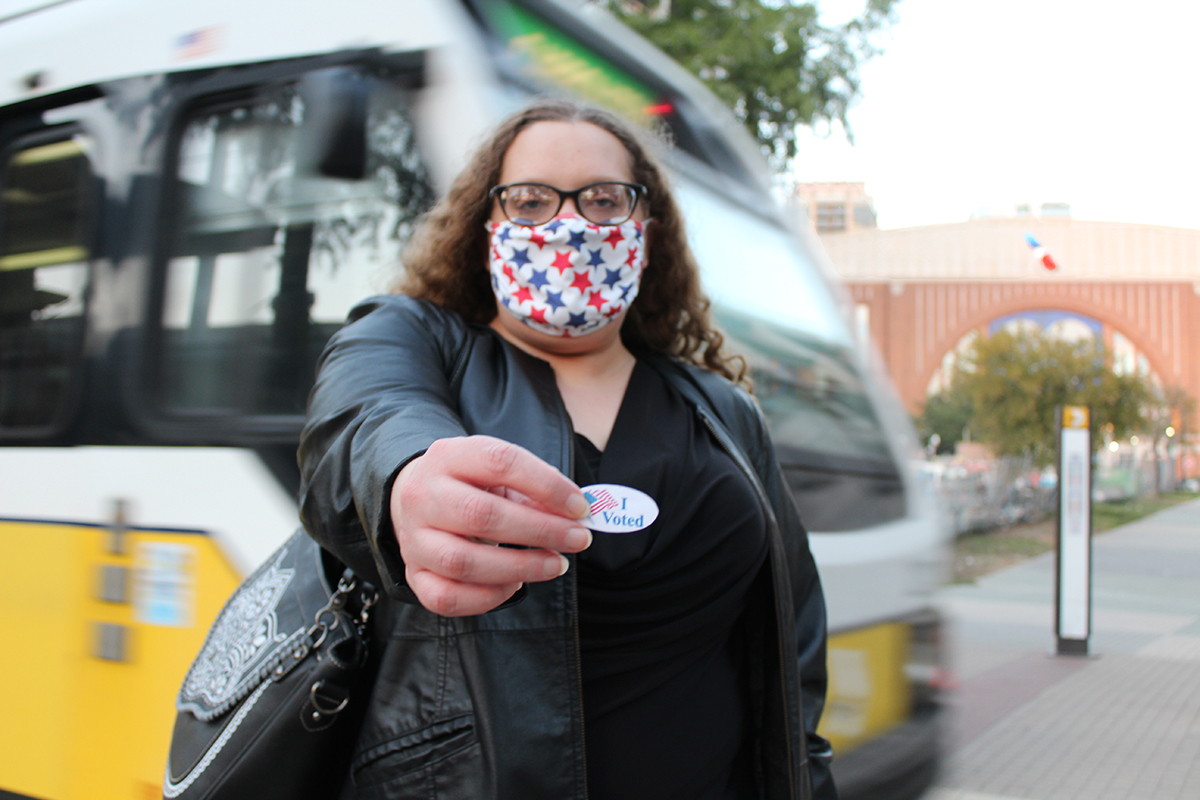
[808,598]
[383,395]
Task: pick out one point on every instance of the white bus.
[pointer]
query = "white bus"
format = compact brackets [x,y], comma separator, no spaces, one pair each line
[192,195]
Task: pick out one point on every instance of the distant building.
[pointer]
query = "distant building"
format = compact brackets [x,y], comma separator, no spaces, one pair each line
[920,294]
[836,207]
[1024,210]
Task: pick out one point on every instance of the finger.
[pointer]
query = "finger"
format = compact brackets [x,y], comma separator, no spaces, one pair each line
[457,507]
[487,461]
[518,498]
[460,559]
[453,598]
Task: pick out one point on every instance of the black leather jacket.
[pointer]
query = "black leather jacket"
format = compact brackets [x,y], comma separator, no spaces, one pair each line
[490,706]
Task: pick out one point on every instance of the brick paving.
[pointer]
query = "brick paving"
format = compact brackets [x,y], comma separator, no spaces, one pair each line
[1121,724]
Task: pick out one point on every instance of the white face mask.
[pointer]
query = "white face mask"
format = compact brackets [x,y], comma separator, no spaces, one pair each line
[567,277]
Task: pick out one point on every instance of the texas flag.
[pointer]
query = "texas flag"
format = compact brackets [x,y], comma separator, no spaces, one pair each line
[1040,253]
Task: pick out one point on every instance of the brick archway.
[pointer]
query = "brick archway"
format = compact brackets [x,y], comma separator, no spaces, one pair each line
[915,323]
[1112,323]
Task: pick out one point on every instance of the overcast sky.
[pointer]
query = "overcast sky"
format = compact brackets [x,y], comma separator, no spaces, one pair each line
[989,104]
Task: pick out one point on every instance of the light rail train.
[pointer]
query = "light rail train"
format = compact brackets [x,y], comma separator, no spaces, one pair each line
[192,195]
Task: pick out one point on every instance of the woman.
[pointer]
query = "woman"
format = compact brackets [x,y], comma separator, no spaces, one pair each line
[551,328]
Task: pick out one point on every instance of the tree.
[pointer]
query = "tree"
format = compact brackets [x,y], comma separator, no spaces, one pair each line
[771,61]
[946,415]
[1168,420]
[1014,381]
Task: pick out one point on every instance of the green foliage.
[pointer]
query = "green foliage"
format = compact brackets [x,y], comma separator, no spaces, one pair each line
[1171,407]
[1015,381]
[948,415]
[771,61]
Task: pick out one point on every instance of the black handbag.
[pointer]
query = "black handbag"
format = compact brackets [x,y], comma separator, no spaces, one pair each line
[269,707]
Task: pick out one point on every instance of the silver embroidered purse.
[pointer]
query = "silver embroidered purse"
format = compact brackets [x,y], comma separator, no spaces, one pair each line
[267,708]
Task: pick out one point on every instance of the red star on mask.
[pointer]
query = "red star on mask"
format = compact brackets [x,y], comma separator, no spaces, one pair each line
[596,300]
[632,255]
[614,237]
[522,294]
[562,262]
[582,282]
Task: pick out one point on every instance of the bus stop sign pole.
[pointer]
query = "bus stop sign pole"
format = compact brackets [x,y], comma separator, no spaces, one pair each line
[1073,576]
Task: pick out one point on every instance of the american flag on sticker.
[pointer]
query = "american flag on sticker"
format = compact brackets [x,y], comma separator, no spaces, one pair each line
[199,43]
[600,500]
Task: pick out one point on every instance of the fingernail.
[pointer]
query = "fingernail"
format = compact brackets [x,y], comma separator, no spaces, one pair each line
[555,566]
[577,506]
[578,539]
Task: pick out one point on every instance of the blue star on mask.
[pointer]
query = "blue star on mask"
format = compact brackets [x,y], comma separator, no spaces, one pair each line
[554,300]
[577,319]
[554,225]
[625,290]
[539,279]
[577,239]
[610,280]
[521,257]
[505,232]
[595,259]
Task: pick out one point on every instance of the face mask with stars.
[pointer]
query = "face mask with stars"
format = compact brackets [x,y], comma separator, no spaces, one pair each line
[567,277]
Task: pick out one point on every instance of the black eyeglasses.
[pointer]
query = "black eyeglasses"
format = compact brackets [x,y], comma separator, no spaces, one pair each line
[608,203]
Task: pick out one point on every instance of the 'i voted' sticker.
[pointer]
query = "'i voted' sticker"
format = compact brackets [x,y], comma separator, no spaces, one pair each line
[618,509]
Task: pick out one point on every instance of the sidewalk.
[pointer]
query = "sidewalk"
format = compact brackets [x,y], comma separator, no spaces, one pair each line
[1123,724]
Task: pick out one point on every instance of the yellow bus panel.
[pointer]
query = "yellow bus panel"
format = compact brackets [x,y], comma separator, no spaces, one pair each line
[99,629]
[869,689]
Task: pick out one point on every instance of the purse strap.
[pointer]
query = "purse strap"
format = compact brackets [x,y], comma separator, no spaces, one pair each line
[327,618]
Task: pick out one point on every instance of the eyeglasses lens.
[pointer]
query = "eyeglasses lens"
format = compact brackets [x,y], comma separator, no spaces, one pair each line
[600,203]
[530,204]
[606,203]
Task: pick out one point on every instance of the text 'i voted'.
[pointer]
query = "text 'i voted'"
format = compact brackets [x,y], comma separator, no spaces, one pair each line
[618,509]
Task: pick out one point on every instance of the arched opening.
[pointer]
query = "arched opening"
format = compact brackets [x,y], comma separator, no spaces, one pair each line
[1127,464]
[1071,326]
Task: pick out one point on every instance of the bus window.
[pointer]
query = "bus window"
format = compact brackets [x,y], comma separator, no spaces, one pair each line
[44,230]
[830,443]
[781,317]
[265,259]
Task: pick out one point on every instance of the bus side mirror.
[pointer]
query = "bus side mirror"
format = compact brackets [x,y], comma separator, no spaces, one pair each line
[333,138]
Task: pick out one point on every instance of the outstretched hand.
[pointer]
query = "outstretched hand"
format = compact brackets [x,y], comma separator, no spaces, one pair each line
[451,507]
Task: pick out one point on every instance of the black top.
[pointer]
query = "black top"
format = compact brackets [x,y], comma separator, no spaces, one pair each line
[664,686]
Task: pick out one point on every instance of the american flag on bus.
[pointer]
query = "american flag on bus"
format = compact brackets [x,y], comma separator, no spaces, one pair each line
[600,500]
[198,43]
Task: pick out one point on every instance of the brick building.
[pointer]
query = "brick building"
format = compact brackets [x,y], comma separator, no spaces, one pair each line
[920,292]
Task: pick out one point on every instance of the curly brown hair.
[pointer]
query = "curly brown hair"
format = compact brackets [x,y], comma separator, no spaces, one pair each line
[445,260]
